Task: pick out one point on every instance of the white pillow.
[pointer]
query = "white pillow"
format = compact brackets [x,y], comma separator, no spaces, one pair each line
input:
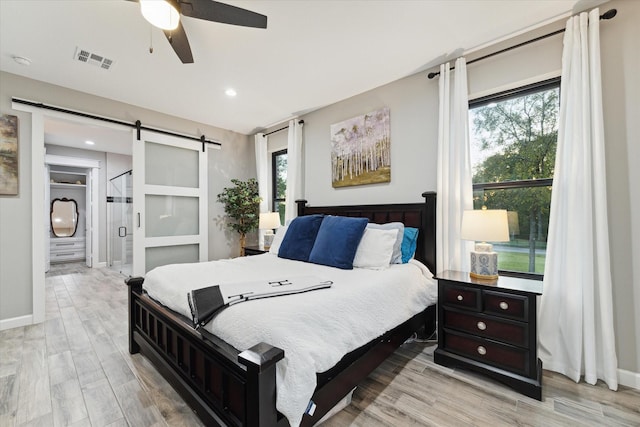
[277,240]
[375,249]
[396,258]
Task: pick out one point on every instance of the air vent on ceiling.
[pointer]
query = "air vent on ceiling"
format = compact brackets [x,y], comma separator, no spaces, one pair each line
[93,59]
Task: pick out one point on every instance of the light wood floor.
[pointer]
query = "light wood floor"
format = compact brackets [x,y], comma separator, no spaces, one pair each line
[75,369]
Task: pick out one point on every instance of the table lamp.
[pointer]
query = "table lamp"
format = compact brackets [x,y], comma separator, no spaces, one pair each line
[269,221]
[484,225]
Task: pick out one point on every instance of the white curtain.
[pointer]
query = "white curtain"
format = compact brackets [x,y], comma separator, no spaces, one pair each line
[576,312]
[294,170]
[262,162]
[455,193]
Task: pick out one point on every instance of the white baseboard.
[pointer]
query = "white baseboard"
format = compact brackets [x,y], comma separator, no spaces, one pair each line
[629,379]
[16,322]
[101,264]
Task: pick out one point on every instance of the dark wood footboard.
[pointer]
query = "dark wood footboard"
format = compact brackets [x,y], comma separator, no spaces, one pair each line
[223,386]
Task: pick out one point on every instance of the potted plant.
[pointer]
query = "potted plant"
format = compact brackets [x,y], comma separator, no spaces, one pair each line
[242,206]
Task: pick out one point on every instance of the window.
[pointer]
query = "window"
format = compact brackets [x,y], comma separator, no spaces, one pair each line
[513,139]
[279,181]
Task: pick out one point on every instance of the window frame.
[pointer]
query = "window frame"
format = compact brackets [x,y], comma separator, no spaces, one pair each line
[274,175]
[525,183]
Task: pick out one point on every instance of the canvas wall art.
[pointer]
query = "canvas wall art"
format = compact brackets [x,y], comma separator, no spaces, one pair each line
[8,155]
[361,150]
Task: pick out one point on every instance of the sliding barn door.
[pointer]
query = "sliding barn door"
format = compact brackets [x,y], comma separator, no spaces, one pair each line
[169,202]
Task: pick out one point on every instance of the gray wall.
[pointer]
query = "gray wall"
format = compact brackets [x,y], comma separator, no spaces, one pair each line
[413,102]
[235,159]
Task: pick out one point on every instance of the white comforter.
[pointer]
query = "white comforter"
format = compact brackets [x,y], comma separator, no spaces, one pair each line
[315,329]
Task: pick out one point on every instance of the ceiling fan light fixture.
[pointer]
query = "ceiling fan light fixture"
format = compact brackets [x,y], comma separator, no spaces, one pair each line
[160,13]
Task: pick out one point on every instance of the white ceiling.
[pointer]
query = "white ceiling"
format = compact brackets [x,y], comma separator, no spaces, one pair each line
[313,53]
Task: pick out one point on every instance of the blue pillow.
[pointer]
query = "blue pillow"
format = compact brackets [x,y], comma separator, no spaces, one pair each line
[409,242]
[337,241]
[300,237]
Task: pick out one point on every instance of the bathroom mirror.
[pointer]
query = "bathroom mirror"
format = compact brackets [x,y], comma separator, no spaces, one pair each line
[64,217]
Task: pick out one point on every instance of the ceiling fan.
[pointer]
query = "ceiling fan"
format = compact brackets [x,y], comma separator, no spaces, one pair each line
[165,14]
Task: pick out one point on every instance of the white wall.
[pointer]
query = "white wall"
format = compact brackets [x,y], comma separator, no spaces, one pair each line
[620,55]
[413,103]
[117,164]
[234,160]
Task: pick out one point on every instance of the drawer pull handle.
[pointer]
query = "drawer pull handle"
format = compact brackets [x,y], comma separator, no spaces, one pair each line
[482,326]
[481,350]
[460,298]
[504,305]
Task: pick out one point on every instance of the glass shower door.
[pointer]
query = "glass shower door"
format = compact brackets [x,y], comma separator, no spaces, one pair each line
[121,229]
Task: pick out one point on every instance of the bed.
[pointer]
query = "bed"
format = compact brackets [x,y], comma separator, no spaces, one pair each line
[225,386]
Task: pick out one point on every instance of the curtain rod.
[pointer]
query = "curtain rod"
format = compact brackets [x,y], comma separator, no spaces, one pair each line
[137,124]
[607,15]
[301,122]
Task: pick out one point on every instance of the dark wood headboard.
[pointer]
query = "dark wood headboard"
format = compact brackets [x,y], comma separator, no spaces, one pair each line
[419,215]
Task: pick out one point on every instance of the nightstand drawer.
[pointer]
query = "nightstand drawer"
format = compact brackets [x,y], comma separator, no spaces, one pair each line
[510,332]
[507,305]
[461,297]
[501,355]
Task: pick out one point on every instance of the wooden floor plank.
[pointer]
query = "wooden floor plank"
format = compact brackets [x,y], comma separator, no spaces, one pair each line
[102,406]
[68,403]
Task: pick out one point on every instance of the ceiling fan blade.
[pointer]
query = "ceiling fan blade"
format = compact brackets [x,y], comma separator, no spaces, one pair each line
[179,42]
[210,10]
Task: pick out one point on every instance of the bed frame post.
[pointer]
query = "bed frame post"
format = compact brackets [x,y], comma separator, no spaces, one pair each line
[430,224]
[301,204]
[260,361]
[135,285]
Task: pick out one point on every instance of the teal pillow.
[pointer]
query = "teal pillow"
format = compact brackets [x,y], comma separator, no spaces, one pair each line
[337,241]
[300,237]
[409,242]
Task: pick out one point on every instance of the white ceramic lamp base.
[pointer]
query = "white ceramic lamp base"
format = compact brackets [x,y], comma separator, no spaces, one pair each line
[268,239]
[484,262]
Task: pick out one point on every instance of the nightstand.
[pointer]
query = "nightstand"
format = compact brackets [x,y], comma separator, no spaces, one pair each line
[490,328]
[254,250]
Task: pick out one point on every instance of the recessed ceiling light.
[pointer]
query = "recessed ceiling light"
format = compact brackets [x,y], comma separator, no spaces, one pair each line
[230,92]
[89,142]
[22,60]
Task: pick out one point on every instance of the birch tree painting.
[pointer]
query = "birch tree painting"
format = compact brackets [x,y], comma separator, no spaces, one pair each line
[361,150]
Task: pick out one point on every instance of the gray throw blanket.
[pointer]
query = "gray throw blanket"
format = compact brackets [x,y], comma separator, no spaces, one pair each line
[205,303]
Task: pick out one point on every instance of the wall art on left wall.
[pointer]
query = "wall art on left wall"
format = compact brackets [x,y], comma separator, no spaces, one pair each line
[8,155]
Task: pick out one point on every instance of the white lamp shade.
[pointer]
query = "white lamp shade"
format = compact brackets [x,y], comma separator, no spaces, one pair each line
[269,220]
[160,13]
[486,225]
